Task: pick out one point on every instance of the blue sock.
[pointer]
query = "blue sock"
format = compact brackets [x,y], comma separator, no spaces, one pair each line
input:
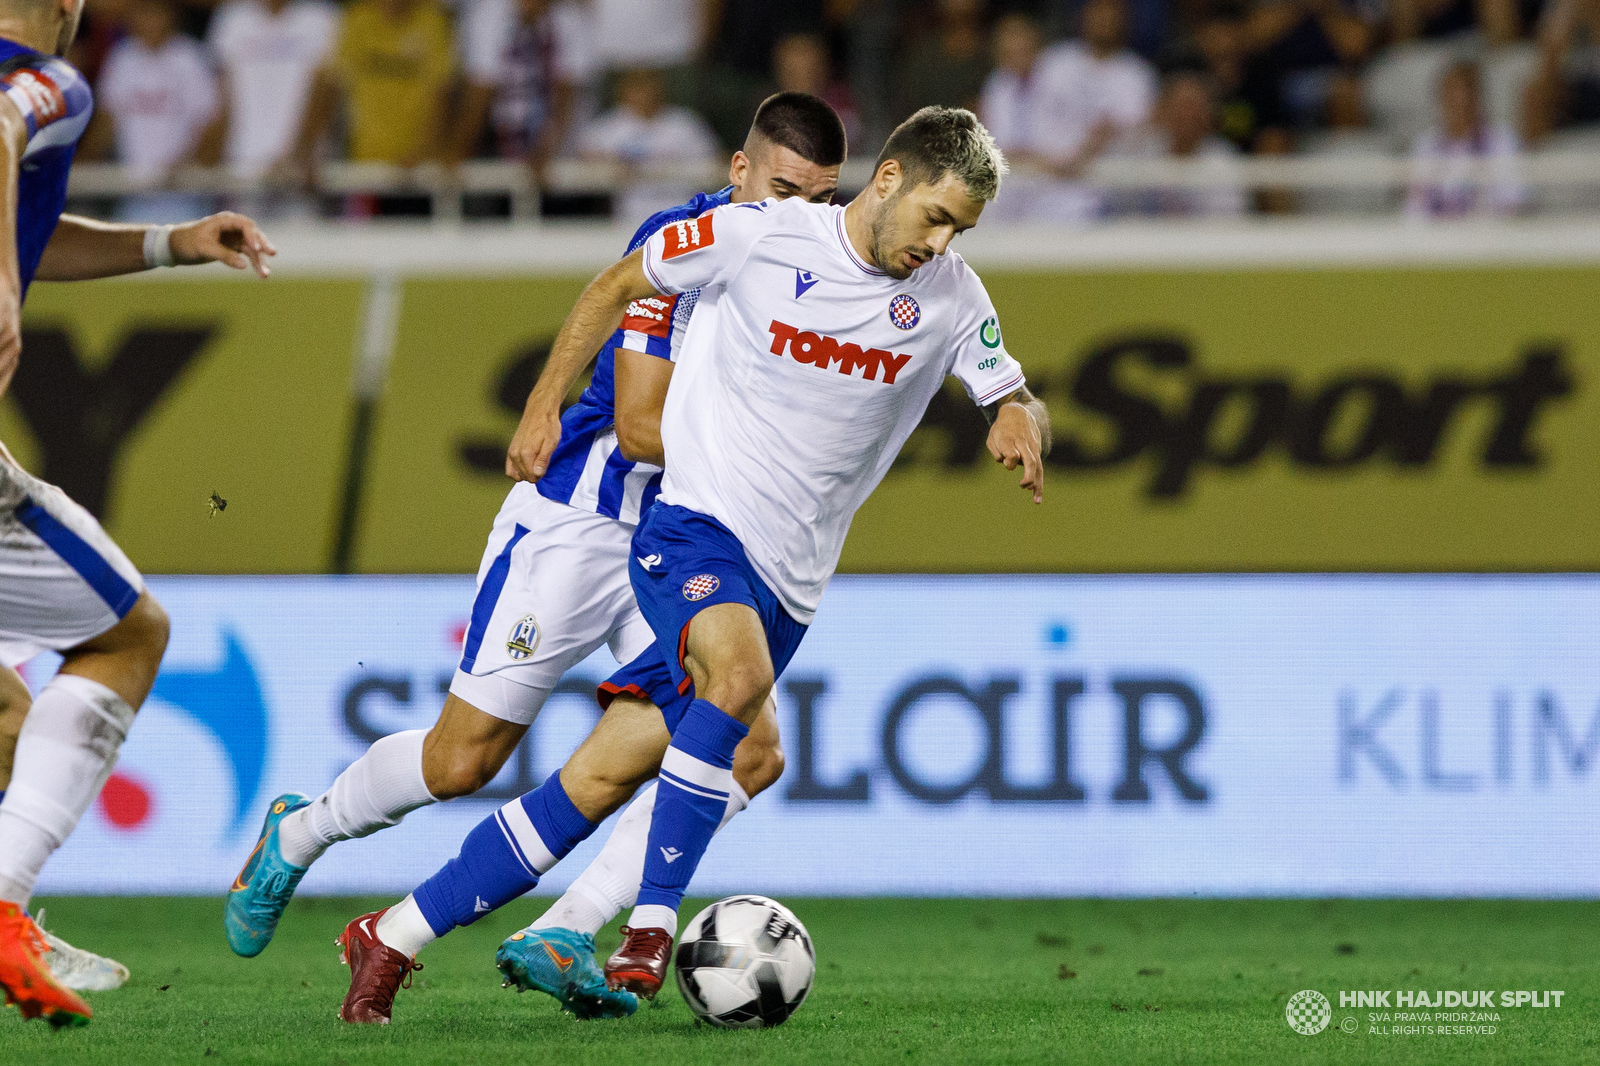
[503,857]
[696,776]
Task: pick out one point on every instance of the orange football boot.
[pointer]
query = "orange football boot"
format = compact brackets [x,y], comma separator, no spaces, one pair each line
[27,979]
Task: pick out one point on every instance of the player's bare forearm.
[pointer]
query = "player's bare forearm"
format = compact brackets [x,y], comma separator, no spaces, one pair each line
[1019,435]
[84,248]
[594,318]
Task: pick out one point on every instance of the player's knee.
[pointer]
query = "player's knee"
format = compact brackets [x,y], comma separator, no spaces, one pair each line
[605,783]
[458,778]
[459,773]
[150,630]
[757,764]
[597,785]
[15,699]
[739,688]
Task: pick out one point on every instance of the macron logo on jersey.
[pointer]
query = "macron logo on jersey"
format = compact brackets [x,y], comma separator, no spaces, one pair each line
[36,94]
[688,235]
[806,347]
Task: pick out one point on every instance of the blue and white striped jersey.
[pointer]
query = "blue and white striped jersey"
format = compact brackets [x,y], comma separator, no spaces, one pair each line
[55,102]
[587,471]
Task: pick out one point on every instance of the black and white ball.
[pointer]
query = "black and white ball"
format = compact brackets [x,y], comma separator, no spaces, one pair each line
[745,963]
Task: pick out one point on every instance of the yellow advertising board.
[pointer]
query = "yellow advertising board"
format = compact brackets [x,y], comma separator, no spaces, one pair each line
[1284,419]
[143,398]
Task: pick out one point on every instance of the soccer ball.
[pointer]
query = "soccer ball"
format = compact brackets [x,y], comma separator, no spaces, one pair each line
[745,963]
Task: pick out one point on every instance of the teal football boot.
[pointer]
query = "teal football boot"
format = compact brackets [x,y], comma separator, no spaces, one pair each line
[561,962]
[264,887]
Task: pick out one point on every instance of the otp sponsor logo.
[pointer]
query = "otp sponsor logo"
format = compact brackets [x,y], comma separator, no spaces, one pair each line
[820,351]
[687,235]
[36,92]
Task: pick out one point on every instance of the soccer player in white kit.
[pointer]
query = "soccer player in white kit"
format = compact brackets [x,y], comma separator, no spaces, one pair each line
[820,336]
[553,587]
[64,586]
[787,409]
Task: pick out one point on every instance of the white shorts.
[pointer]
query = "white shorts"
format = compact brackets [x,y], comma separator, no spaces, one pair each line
[62,580]
[553,586]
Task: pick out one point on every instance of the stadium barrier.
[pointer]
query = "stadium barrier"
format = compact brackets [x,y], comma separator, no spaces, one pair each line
[1115,735]
[1563,176]
[1249,397]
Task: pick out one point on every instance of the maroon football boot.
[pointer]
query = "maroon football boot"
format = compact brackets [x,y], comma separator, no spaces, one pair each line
[640,964]
[377,972]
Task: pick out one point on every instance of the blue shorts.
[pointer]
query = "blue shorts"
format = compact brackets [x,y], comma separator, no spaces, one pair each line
[695,563]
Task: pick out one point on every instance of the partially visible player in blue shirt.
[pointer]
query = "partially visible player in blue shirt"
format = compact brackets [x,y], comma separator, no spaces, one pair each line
[652,327]
[45,105]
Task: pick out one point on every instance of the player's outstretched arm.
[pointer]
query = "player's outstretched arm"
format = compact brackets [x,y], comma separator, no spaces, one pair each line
[83,248]
[594,317]
[13,142]
[1019,435]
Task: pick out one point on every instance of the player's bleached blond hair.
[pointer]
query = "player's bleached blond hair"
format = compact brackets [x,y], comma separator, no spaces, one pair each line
[946,140]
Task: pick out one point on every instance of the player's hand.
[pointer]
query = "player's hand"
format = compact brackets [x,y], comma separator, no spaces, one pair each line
[228,238]
[536,438]
[1014,441]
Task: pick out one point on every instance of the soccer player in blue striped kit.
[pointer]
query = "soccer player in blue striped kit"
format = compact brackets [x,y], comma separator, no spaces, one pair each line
[820,336]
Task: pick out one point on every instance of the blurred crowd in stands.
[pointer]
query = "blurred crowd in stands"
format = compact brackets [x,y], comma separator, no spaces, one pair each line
[273,89]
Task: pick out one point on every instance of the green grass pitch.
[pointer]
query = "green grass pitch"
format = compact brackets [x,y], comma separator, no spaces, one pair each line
[898,981]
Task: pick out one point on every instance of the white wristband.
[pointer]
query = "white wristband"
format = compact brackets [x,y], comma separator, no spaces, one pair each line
[158,246]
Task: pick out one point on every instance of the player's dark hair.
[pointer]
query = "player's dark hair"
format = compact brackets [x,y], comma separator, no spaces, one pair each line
[945,140]
[804,124]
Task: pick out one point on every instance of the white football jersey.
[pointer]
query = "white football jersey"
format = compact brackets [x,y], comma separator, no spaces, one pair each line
[802,373]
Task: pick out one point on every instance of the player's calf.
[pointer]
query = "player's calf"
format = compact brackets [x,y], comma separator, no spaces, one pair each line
[691,800]
[14,703]
[758,761]
[466,748]
[126,657]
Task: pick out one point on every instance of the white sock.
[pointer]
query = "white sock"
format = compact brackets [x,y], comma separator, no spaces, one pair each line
[654,916]
[68,745]
[611,883]
[403,928]
[373,793]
